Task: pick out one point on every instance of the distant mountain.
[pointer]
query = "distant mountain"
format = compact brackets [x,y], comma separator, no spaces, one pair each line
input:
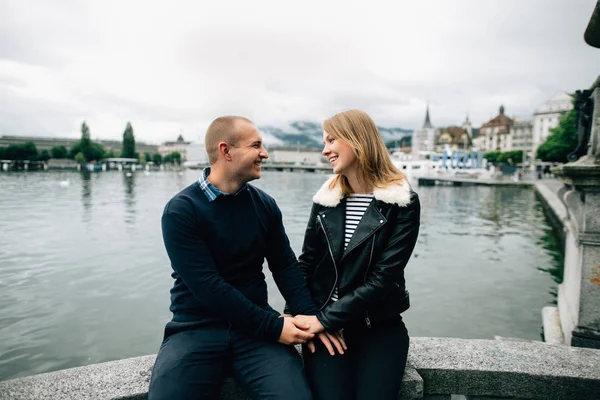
[309,134]
[297,133]
[406,141]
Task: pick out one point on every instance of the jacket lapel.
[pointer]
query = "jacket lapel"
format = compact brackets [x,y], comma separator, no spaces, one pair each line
[333,224]
[371,222]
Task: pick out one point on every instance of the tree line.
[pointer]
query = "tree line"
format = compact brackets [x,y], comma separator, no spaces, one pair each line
[507,157]
[85,150]
[561,141]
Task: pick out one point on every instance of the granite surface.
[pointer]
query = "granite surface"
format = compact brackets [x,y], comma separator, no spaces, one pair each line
[437,366]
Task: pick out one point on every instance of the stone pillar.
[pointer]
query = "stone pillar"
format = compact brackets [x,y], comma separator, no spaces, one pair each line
[579,294]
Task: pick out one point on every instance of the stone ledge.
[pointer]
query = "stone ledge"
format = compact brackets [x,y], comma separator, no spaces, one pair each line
[437,366]
[129,379]
[506,369]
[553,202]
[553,333]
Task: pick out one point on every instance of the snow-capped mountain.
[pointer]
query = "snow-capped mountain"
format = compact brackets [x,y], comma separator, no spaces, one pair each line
[308,134]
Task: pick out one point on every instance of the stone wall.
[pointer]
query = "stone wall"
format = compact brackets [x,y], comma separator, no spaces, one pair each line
[438,368]
[579,294]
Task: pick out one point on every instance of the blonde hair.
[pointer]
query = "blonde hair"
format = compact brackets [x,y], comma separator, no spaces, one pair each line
[222,129]
[358,130]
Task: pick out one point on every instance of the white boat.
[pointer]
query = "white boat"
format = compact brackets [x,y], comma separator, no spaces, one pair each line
[456,164]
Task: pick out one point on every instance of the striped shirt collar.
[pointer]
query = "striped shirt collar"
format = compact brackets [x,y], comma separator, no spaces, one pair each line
[211,190]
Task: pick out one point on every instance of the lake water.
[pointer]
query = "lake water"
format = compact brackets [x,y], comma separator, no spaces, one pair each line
[84,277]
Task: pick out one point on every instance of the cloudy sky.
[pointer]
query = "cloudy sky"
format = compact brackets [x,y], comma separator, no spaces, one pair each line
[173,66]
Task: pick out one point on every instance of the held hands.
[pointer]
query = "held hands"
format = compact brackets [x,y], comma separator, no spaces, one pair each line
[310,325]
[294,332]
[313,323]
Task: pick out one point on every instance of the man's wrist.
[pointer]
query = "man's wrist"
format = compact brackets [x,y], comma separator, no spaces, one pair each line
[279,328]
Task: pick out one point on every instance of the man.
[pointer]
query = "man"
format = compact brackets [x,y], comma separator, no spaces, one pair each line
[217,233]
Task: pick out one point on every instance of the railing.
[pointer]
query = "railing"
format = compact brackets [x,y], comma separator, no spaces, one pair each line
[439,368]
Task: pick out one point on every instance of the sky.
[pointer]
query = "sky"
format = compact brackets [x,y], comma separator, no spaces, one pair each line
[171,67]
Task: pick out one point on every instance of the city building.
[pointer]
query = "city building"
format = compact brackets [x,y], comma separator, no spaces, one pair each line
[423,141]
[180,146]
[468,128]
[547,116]
[196,155]
[494,135]
[295,155]
[521,136]
[453,138]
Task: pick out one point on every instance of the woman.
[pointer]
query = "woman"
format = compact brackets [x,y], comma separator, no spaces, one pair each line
[362,230]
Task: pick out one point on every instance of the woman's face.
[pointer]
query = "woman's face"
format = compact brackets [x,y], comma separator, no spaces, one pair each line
[340,155]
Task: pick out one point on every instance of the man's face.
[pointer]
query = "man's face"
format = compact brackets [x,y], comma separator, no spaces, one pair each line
[248,153]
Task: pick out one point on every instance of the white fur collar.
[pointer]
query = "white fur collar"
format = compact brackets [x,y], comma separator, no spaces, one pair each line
[391,194]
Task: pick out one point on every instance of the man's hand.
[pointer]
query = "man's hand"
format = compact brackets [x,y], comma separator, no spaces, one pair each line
[330,341]
[311,321]
[294,332]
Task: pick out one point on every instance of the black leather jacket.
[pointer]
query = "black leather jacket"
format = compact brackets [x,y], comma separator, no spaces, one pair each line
[370,272]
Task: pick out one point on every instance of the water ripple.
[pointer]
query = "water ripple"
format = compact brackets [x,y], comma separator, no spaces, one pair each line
[79,263]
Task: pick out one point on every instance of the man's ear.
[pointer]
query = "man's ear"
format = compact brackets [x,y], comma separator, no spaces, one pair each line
[224,151]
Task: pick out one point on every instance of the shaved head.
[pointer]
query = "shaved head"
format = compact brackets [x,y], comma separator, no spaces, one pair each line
[223,129]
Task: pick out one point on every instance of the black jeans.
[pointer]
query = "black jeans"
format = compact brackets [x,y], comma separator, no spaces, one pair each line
[371,368]
[194,357]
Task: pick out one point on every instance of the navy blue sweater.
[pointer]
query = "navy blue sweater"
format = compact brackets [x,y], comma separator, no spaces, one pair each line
[217,250]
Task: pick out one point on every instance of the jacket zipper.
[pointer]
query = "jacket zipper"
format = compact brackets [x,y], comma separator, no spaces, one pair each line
[332,259]
[367,319]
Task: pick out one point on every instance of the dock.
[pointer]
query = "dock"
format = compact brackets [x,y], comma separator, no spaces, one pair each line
[463,181]
[296,167]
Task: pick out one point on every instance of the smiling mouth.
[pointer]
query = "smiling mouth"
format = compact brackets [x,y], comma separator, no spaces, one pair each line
[332,159]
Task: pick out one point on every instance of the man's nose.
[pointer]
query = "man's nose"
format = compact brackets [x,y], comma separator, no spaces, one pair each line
[264,153]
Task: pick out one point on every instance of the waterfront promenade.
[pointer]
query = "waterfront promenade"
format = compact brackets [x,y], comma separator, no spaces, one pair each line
[431,181]
[528,180]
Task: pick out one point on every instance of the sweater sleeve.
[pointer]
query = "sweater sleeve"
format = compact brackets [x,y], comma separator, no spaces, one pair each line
[191,259]
[286,269]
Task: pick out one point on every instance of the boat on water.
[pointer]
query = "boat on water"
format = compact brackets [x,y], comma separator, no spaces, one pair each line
[447,164]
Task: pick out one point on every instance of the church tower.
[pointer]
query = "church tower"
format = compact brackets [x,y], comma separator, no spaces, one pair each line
[429,132]
[423,140]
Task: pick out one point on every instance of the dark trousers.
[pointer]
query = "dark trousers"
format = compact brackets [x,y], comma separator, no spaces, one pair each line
[195,356]
[371,368]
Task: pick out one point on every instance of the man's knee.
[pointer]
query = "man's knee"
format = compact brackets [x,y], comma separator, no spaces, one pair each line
[183,373]
[277,373]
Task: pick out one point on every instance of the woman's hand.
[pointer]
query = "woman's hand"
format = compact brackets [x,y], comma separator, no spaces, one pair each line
[314,325]
[311,324]
[329,341]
